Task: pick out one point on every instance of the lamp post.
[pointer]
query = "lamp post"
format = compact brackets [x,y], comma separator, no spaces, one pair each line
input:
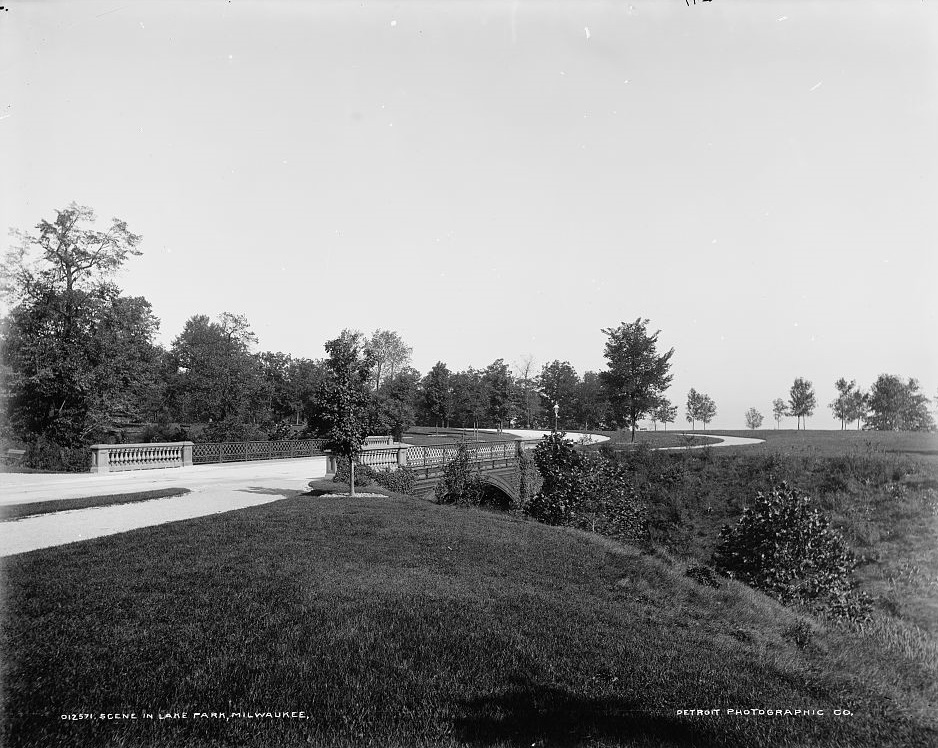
[556,411]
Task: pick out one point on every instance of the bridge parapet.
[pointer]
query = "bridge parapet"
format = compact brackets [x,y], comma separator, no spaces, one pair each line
[112,458]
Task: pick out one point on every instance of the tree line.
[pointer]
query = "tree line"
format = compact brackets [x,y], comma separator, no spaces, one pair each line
[80,365]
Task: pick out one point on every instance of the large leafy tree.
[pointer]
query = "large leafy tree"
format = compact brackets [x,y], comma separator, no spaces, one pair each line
[896,405]
[216,375]
[558,385]
[437,393]
[590,405]
[78,357]
[390,354]
[469,398]
[345,399]
[801,400]
[498,388]
[637,375]
[395,402]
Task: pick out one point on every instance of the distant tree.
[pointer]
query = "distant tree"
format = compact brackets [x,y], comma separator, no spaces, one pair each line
[841,404]
[273,399]
[390,354]
[215,373]
[801,402]
[395,411]
[498,386]
[708,410]
[858,407]
[558,384]
[895,405]
[665,412]
[437,395]
[470,398]
[637,375]
[692,408]
[753,419]
[590,405]
[344,398]
[779,410]
[526,395]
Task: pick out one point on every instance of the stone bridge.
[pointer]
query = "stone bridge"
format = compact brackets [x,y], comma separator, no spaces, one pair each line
[497,462]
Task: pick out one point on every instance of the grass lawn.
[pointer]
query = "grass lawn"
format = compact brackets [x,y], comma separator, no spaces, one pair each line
[397,622]
[656,439]
[18,511]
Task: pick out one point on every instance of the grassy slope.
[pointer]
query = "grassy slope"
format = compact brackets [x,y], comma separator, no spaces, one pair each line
[398,622]
[19,511]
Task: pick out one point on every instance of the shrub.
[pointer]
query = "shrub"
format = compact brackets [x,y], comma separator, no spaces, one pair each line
[45,454]
[584,490]
[364,475]
[785,547]
[461,482]
[402,480]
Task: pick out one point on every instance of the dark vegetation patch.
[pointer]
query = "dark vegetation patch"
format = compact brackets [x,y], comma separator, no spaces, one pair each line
[19,511]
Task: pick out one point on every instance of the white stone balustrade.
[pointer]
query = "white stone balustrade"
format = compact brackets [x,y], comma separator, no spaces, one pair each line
[111,458]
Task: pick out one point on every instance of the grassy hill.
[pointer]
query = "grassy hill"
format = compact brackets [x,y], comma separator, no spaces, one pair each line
[398,622]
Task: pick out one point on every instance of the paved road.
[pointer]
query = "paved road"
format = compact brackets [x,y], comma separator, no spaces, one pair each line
[215,489]
[725,441]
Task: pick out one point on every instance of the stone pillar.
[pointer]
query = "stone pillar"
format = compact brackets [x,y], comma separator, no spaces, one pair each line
[100,458]
[402,457]
[186,454]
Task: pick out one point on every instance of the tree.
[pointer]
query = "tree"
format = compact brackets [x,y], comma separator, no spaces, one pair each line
[304,376]
[692,409]
[590,404]
[469,398]
[344,397]
[841,404]
[708,410]
[637,376]
[216,376]
[498,387]
[898,406]
[779,410]
[753,419]
[801,402]
[665,412]
[438,394]
[526,394]
[65,257]
[858,407]
[557,384]
[77,355]
[395,403]
[390,353]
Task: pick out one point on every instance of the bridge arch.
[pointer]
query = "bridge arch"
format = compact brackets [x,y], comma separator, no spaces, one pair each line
[500,492]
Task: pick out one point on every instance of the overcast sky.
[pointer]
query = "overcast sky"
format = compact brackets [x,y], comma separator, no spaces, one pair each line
[491,180]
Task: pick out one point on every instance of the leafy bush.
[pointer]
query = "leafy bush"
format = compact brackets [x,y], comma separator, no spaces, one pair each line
[364,475]
[45,454]
[785,547]
[461,482]
[403,480]
[584,490]
[703,575]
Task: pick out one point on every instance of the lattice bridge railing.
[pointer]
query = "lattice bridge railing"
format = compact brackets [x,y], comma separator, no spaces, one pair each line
[248,451]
